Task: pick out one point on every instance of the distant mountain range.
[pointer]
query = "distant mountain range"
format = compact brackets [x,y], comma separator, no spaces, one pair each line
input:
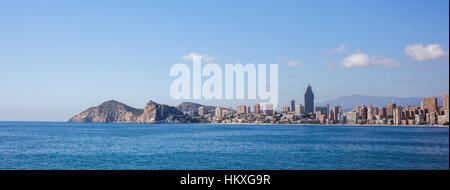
[348,102]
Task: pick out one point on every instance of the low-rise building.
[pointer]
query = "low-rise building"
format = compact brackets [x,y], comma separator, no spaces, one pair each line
[443,119]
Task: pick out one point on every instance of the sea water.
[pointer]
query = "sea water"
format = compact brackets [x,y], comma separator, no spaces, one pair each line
[105,146]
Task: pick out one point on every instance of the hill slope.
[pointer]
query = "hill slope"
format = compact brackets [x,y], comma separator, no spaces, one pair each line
[116,112]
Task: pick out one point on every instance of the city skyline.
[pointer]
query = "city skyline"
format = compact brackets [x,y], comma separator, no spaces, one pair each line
[429,113]
[58,58]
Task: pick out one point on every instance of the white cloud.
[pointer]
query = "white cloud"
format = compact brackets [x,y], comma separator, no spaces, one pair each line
[422,53]
[205,58]
[357,59]
[340,49]
[360,59]
[293,63]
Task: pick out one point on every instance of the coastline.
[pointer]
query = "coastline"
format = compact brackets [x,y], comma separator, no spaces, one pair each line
[288,124]
[343,125]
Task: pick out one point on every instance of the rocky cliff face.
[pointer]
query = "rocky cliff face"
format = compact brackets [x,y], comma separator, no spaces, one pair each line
[160,113]
[116,112]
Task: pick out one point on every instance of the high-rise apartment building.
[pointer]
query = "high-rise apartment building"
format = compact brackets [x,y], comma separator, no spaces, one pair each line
[256,109]
[363,112]
[430,104]
[335,112]
[445,99]
[370,112]
[397,116]
[390,109]
[242,109]
[352,117]
[357,109]
[292,105]
[382,112]
[375,111]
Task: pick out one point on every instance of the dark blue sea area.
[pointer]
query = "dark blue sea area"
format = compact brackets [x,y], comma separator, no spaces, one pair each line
[106,146]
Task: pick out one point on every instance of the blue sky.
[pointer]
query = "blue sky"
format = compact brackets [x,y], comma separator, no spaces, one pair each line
[59,57]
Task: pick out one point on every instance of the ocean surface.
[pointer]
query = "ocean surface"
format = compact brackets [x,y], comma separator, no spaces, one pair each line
[89,146]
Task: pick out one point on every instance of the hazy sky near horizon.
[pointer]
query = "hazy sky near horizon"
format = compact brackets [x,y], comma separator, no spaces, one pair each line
[58,58]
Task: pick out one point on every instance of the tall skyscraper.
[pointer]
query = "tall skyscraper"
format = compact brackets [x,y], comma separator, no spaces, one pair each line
[370,112]
[335,112]
[390,109]
[256,109]
[397,116]
[363,112]
[430,104]
[375,111]
[409,112]
[292,105]
[309,100]
[357,109]
[446,108]
[382,112]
